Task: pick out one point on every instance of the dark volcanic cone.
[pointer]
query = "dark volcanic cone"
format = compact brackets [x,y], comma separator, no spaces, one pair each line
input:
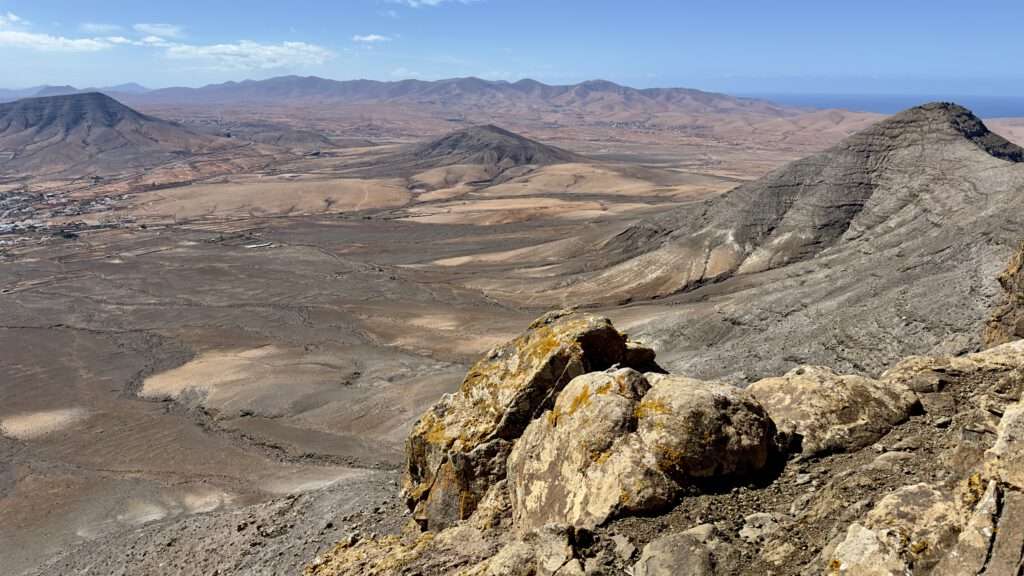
[490,145]
[86,133]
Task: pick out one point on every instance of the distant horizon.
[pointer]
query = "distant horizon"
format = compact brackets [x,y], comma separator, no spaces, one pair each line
[642,86]
[939,47]
[984,105]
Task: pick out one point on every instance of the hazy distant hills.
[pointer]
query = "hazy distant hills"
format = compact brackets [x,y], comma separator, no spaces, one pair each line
[88,133]
[594,95]
[7,95]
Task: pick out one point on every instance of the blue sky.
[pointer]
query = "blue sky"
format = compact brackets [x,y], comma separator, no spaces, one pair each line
[895,46]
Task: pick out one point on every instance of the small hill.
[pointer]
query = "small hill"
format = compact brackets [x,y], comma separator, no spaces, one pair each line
[471,156]
[87,133]
[490,145]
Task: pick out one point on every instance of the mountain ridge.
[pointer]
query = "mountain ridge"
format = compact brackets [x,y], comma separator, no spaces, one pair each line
[455,90]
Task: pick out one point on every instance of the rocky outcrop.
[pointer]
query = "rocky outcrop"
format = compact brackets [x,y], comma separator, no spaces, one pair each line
[1007,322]
[824,412]
[915,525]
[618,443]
[918,471]
[1005,459]
[548,551]
[458,449]
[970,518]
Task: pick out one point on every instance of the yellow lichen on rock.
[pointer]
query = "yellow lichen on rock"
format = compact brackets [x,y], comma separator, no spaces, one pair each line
[458,448]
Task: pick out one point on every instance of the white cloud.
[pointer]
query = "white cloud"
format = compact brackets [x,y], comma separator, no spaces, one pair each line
[246,55]
[154,41]
[15,32]
[48,43]
[161,30]
[370,38]
[405,73]
[98,28]
[9,19]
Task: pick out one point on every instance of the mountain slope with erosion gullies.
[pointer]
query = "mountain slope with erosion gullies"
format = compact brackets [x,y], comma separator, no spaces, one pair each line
[884,245]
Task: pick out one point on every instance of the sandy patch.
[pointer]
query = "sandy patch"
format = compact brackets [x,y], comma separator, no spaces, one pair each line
[570,179]
[437,322]
[207,372]
[306,479]
[513,210]
[246,197]
[140,512]
[557,249]
[202,501]
[32,425]
[268,381]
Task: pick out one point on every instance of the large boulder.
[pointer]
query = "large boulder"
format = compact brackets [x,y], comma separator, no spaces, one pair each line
[458,449]
[618,443]
[829,412]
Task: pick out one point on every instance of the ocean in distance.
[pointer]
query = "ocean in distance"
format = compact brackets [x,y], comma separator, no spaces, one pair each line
[984,106]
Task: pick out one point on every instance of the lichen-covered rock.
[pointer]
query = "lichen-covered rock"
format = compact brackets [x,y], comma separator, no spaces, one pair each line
[829,412]
[458,449]
[1007,322]
[698,551]
[1005,459]
[1000,369]
[618,443]
[548,551]
[914,526]
[971,551]
[866,552]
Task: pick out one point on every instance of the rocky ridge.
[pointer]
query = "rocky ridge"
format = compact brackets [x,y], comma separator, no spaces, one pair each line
[622,471]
